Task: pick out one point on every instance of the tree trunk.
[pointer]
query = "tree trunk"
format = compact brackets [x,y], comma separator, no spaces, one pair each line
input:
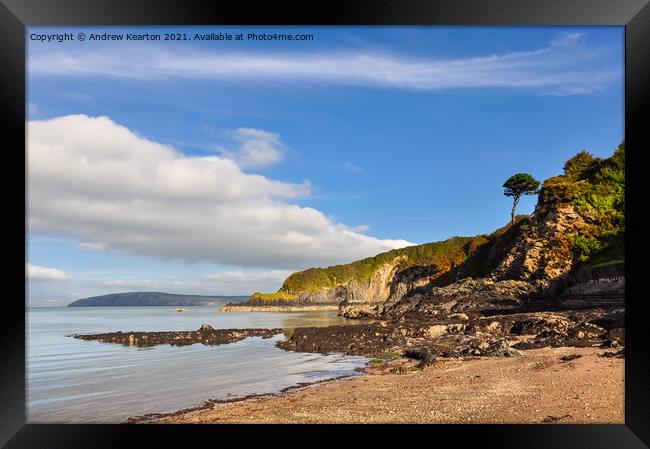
[514,209]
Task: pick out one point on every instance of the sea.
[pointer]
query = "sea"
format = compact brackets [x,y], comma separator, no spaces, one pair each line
[77,381]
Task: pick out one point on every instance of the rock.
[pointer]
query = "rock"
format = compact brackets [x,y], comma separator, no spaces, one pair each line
[611,344]
[206,328]
[478,335]
[206,334]
[358,311]
[371,339]
[501,348]
[437,330]
[462,297]
[541,322]
[423,354]
[539,253]
[586,330]
[456,328]
[616,334]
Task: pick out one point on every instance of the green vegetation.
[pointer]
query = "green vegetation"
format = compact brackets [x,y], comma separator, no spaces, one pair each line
[596,188]
[442,256]
[586,246]
[518,185]
[273,296]
[278,298]
[612,252]
[376,362]
[486,252]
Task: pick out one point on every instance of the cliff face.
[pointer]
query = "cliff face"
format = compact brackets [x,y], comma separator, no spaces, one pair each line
[375,290]
[541,252]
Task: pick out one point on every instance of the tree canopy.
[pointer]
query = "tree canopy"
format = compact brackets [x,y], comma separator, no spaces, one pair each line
[520,184]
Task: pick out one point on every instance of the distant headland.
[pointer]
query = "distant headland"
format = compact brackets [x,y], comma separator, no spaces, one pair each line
[143,299]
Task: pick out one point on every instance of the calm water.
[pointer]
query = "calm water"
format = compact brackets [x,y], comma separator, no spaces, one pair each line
[73,381]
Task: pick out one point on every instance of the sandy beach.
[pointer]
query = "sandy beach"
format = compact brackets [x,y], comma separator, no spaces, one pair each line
[548,385]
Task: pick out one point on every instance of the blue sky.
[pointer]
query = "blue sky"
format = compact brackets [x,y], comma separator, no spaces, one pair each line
[231,164]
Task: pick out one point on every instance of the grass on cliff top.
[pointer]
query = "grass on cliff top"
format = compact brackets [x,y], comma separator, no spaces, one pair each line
[443,255]
[267,299]
[258,296]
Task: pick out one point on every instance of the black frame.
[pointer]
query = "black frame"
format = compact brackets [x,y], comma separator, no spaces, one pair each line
[15,15]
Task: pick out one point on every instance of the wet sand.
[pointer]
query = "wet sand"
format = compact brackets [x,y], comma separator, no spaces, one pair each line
[539,387]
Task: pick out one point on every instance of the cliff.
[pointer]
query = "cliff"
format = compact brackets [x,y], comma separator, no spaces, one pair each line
[570,247]
[368,281]
[578,224]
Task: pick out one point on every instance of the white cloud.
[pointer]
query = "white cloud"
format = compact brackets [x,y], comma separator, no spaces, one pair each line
[250,276]
[94,246]
[566,39]
[239,282]
[257,148]
[351,167]
[94,180]
[360,228]
[566,64]
[45,273]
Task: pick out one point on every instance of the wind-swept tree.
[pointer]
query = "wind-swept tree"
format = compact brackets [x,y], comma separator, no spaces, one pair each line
[518,185]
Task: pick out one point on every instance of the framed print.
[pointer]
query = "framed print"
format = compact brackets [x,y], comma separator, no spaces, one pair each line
[354,213]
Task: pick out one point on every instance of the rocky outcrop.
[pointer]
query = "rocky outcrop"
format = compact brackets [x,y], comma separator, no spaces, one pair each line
[206,335]
[474,296]
[541,252]
[411,280]
[358,311]
[460,335]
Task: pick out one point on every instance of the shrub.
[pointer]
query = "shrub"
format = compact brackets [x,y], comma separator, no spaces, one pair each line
[580,165]
[585,246]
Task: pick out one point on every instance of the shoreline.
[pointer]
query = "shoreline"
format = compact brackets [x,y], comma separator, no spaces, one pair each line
[307,308]
[547,385]
[209,404]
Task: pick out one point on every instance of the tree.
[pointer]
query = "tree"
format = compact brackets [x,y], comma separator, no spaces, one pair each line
[518,185]
[579,164]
